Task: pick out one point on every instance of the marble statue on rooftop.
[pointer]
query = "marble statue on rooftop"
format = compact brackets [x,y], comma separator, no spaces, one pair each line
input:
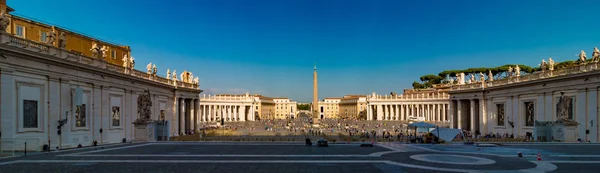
[175,75]
[154,69]
[62,40]
[149,68]
[131,62]
[509,72]
[168,74]
[550,64]
[543,65]
[490,76]
[104,50]
[472,80]
[125,61]
[582,57]
[95,50]
[51,37]
[481,77]
[191,78]
[517,71]
[183,76]
[4,21]
[596,55]
[196,80]
[451,81]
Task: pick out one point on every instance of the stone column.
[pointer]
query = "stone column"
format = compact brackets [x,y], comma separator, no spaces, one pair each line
[482,117]
[396,113]
[459,114]
[228,112]
[388,112]
[445,112]
[181,115]
[412,109]
[204,116]
[174,122]
[236,110]
[368,112]
[193,114]
[437,112]
[209,113]
[243,113]
[451,113]
[379,112]
[472,115]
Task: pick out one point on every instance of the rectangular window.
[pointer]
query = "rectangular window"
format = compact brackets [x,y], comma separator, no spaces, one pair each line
[500,112]
[113,54]
[20,31]
[43,36]
[116,116]
[30,114]
[529,114]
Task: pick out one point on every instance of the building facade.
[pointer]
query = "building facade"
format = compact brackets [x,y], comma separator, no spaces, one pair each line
[285,108]
[430,105]
[353,107]
[329,108]
[512,104]
[51,96]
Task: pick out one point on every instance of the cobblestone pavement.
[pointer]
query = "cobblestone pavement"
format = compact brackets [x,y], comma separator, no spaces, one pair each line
[295,157]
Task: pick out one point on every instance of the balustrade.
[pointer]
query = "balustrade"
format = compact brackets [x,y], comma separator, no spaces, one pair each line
[533,76]
[41,47]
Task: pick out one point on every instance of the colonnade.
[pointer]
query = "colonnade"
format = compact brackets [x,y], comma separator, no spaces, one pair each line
[186,114]
[229,112]
[434,112]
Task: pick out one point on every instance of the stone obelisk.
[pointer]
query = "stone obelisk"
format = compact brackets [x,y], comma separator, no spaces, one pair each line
[315,103]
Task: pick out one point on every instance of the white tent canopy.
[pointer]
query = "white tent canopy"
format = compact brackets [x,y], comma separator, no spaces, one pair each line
[421,124]
[446,134]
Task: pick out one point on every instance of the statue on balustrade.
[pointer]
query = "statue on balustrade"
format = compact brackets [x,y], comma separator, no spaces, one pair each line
[596,55]
[95,50]
[125,61]
[62,40]
[149,68]
[168,74]
[4,21]
[509,72]
[196,80]
[104,50]
[550,64]
[582,57]
[154,70]
[481,77]
[490,76]
[543,65]
[51,37]
[451,81]
[131,62]
[472,80]
[517,71]
[183,77]
[175,75]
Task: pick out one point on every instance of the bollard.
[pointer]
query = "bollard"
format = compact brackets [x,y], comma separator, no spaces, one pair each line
[25,148]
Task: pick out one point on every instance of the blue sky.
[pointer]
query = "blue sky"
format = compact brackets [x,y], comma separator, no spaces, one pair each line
[270,46]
